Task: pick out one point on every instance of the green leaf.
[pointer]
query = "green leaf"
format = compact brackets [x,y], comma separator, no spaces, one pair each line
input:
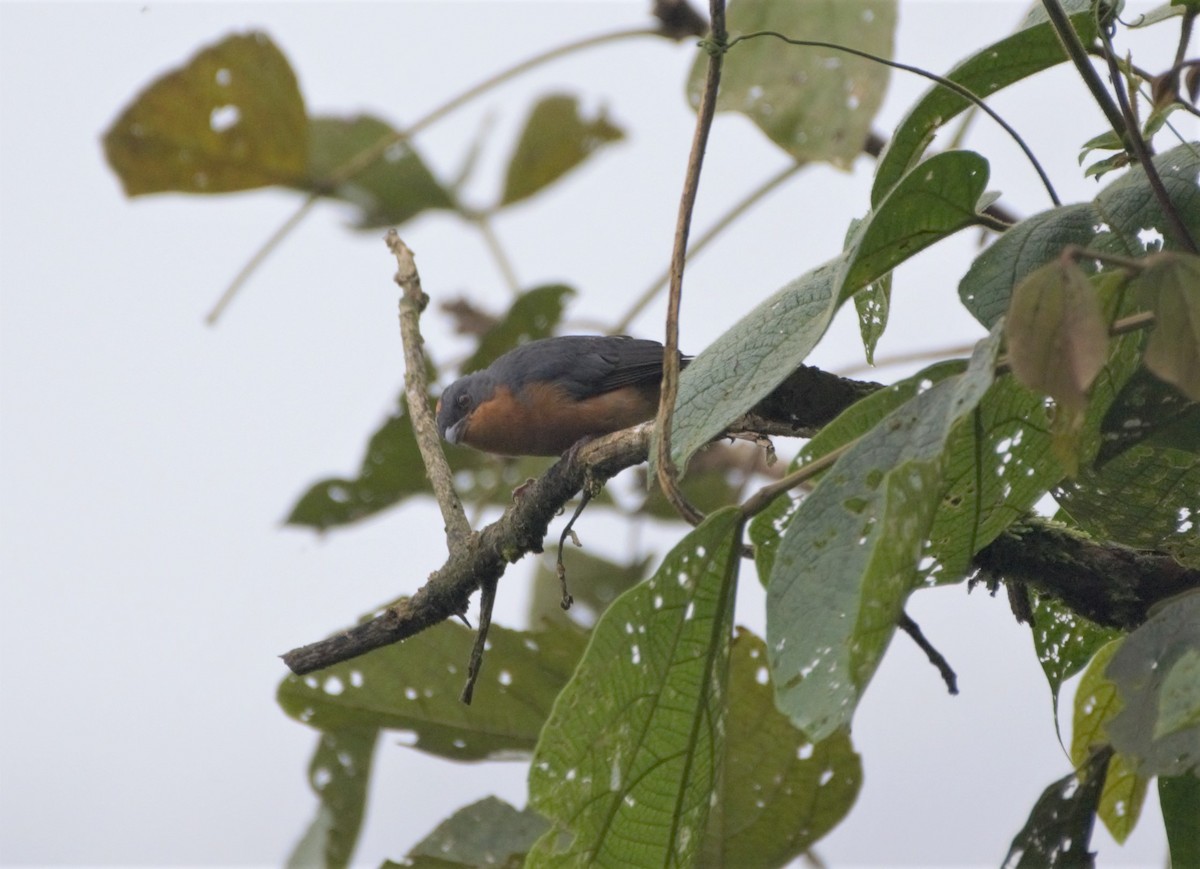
[815,103]
[779,793]
[556,139]
[627,764]
[389,191]
[872,305]
[1059,828]
[415,686]
[1123,219]
[535,314]
[751,358]
[1170,287]
[934,200]
[1147,497]
[1057,336]
[1157,672]
[391,471]
[1148,411]
[848,559]
[996,470]
[231,118]
[1016,57]
[1179,796]
[1096,702]
[595,582]
[766,529]
[489,832]
[339,772]
[1064,641]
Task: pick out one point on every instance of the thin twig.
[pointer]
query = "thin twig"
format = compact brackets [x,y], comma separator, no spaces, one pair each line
[373,152]
[1142,152]
[761,499]
[906,624]
[487,600]
[416,387]
[947,83]
[667,472]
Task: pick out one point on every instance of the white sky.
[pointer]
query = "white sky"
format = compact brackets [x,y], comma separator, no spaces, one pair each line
[146,461]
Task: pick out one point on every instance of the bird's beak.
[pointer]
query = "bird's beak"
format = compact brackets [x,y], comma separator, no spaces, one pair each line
[454,433]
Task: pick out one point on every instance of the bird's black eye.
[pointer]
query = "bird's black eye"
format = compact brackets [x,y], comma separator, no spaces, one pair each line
[464,401]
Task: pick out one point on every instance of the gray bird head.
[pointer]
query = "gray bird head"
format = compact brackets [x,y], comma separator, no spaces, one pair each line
[459,400]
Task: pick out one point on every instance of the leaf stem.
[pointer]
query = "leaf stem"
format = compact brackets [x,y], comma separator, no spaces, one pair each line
[947,83]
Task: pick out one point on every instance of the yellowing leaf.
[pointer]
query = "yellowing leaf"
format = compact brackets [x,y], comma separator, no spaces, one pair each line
[1170,285]
[231,119]
[1057,338]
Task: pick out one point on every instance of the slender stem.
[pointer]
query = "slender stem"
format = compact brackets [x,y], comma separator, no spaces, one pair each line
[667,472]
[1078,54]
[906,624]
[369,155]
[949,84]
[761,499]
[702,241]
[1142,153]
[496,249]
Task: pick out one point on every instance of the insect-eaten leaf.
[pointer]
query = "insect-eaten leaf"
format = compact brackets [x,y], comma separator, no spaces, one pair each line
[489,832]
[1057,337]
[389,190]
[231,118]
[1170,287]
[816,103]
[557,138]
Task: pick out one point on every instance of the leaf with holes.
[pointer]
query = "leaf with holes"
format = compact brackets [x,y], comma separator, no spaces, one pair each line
[627,764]
[1059,829]
[1123,219]
[1157,673]
[1146,410]
[1057,336]
[390,190]
[340,772]
[815,103]
[872,305]
[767,527]
[1096,702]
[1064,641]
[489,832]
[849,557]
[556,139]
[1170,287]
[232,118]
[415,685]
[779,793]
[934,200]
[1029,51]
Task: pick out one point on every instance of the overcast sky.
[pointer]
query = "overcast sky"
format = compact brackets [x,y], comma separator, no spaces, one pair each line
[146,460]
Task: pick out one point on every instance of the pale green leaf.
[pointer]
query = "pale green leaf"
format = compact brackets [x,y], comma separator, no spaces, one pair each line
[339,773]
[415,686]
[1156,672]
[849,558]
[1170,287]
[489,832]
[815,103]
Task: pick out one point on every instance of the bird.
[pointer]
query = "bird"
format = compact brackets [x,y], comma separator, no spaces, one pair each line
[546,396]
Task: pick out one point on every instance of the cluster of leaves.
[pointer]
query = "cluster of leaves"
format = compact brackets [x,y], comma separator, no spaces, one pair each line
[663,735]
